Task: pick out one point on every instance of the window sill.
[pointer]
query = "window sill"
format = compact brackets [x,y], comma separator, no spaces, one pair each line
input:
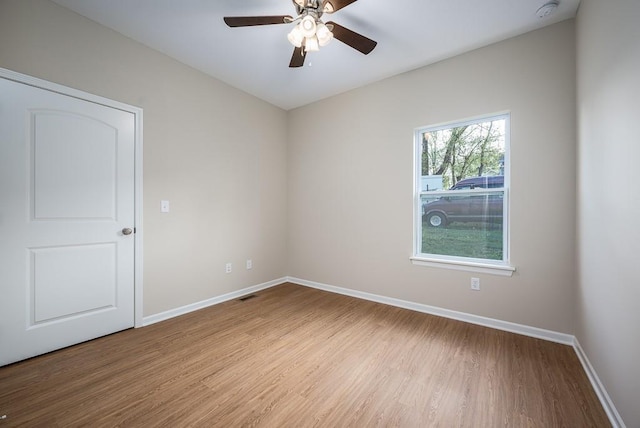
[502,270]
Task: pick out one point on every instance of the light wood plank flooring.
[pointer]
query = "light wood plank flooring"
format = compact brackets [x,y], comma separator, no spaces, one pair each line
[299,357]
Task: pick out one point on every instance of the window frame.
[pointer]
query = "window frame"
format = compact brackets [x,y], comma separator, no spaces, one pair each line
[496,267]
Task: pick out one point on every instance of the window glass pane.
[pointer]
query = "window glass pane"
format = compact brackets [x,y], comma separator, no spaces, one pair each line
[451,155]
[465,225]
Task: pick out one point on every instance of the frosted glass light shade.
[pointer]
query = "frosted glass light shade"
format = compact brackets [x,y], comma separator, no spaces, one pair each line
[311,44]
[323,34]
[295,37]
[308,26]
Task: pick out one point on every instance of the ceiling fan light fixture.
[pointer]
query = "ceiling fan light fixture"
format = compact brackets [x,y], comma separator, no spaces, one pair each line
[295,37]
[308,26]
[309,33]
[323,34]
[311,44]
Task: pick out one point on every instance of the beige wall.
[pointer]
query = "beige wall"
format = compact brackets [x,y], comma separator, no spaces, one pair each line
[350,180]
[217,154]
[220,157]
[608,294]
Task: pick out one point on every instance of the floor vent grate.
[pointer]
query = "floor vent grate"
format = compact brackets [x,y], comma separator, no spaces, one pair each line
[250,296]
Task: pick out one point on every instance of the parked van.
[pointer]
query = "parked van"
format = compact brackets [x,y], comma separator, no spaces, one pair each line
[479,207]
[488,182]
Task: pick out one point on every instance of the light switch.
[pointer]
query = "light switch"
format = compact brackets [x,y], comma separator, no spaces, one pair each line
[164,206]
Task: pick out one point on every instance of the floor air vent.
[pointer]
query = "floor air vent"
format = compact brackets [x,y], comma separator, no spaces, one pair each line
[250,296]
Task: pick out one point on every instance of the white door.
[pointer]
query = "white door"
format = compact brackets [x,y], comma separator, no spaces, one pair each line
[66,202]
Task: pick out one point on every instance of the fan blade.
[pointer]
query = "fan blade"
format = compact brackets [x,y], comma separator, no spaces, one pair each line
[330,6]
[248,21]
[297,59]
[351,38]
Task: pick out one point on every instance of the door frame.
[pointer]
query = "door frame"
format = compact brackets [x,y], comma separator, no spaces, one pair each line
[138,200]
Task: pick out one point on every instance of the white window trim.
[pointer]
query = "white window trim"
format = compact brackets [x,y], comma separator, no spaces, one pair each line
[468,266]
[499,267]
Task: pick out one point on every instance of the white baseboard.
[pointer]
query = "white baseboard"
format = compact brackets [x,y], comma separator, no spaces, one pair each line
[538,333]
[607,404]
[152,319]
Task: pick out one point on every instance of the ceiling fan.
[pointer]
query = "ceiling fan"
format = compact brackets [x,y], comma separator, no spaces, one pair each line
[309,32]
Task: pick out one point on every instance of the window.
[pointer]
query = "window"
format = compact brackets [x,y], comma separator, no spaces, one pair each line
[461,196]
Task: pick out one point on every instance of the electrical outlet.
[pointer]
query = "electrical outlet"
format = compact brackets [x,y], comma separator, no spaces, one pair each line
[249,264]
[475,283]
[227,268]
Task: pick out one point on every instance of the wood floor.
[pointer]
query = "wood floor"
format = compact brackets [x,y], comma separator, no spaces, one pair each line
[299,357]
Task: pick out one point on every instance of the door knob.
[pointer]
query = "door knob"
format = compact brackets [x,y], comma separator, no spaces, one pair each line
[127,231]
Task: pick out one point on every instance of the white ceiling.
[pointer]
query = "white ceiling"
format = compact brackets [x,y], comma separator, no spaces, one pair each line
[410,34]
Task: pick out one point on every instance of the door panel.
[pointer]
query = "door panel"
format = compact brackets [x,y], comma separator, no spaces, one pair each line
[74,172]
[66,193]
[59,277]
